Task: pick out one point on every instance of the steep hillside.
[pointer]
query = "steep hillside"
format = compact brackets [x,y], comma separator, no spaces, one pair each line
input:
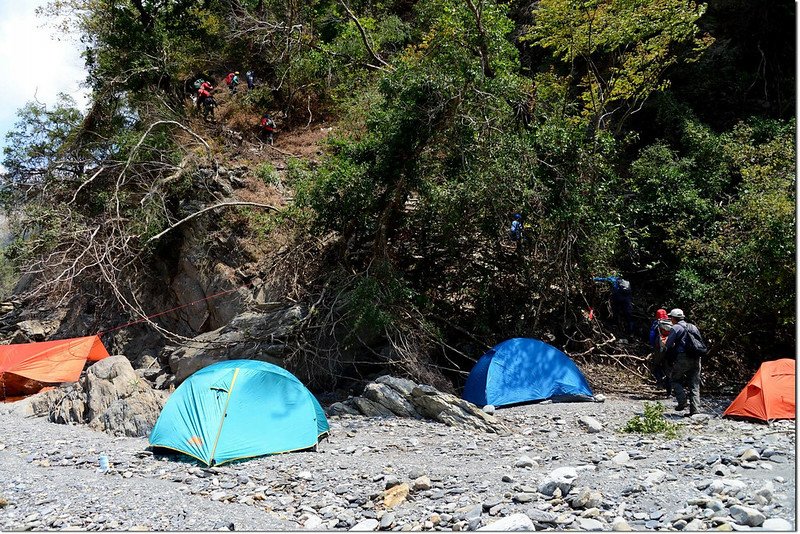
[628,136]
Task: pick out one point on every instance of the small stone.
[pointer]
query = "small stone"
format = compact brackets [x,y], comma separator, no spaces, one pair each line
[750,455]
[514,522]
[589,524]
[591,424]
[620,525]
[621,458]
[745,515]
[489,408]
[525,461]
[367,525]
[421,484]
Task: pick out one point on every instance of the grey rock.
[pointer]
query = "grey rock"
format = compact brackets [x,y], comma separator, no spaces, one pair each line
[489,408]
[390,398]
[370,408]
[367,525]
[402,385]
[387,520]
[562,478]
[587,523]
[591,424]
[525,461]
[452,411]
[746,515]
[249,335]
[514,522]
[750,455]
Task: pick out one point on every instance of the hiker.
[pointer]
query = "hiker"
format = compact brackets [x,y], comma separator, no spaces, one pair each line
[685,364]
[515,231]
[267,127]
[203,91]
[659,332]
[621,300]
[209,105]
[251,80]
[232,80]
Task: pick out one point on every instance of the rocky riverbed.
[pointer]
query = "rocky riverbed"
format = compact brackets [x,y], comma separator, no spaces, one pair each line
[550,471]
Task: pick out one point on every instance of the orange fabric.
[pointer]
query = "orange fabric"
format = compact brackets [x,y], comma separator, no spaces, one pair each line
[769,395]
[51,361]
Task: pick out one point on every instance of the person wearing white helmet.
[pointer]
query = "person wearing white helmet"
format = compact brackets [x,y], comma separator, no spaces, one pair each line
[685,366]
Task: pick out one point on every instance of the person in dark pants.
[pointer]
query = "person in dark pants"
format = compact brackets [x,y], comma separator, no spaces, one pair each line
[621,300]
[659,332]
[684,367]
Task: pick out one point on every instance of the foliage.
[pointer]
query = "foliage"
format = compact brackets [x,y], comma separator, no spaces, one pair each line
[652,422]
[618,50]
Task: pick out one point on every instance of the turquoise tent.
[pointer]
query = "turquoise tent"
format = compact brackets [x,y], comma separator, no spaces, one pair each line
[524,370]
[239,409]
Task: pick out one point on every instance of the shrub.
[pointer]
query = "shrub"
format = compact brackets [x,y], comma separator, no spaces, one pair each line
[652,422]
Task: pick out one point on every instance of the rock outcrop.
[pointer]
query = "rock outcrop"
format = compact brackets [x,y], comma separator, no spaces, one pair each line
[111,398]
[249,336]
[392,396]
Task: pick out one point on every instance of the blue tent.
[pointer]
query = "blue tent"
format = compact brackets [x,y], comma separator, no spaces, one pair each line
[239,409]
[524,370]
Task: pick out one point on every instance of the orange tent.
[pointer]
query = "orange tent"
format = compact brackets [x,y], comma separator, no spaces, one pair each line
[769,395]
[25,367]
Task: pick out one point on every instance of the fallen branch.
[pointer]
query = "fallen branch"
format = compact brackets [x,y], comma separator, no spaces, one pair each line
[209,208]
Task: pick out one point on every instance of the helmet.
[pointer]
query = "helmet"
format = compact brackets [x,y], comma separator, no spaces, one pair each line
[676,313]
[237,72]
[517,216]
[661,313]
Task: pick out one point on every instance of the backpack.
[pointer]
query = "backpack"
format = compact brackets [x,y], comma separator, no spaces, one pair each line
[515,232]
[693,342]
[624,285]
[229,78]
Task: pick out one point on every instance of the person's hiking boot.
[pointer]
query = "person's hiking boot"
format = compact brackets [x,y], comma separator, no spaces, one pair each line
[680,406]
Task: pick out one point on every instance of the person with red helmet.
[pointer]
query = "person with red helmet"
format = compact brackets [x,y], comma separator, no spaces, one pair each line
[203,92]
[659,331]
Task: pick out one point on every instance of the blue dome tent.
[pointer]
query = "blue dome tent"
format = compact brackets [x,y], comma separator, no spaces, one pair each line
[239,409]
[523,370]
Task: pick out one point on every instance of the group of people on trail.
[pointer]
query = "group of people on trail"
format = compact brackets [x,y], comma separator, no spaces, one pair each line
[205,101]
[677,345]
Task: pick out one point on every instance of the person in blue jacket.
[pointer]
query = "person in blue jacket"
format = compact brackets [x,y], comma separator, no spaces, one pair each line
[621,300]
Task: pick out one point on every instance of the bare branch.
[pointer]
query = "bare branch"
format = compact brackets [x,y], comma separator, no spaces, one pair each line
[209,208]
[364,38]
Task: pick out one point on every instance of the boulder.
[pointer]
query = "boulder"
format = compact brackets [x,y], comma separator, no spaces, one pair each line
[451,410]
[33,329]
[110,398]
[370,408]
[390,398]
[403,385]
[250,335]
[396,396]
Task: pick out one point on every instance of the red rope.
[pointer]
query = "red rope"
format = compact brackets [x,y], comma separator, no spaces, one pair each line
[171,310]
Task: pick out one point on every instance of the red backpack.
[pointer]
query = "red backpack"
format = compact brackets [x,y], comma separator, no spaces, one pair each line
[229,78]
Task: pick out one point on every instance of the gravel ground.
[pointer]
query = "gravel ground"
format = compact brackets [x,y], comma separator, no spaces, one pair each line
[719,474]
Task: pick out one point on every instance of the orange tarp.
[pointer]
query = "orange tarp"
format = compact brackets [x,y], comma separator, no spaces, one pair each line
[49,361]
[769,395]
